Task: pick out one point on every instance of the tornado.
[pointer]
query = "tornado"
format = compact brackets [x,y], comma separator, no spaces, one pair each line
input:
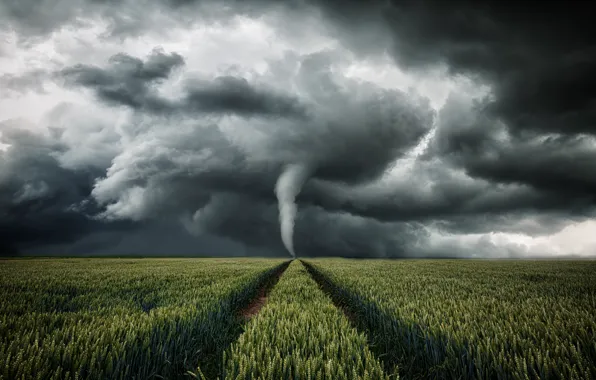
[288,186]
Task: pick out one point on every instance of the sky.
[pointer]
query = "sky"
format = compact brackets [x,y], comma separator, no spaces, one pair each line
[316,128]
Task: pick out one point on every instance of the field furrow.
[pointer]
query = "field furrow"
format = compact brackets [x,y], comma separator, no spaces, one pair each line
[300,334]
[122,319]
[260,299]
[471,319]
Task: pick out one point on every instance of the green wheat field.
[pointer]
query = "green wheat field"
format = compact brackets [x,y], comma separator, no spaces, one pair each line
[304,319]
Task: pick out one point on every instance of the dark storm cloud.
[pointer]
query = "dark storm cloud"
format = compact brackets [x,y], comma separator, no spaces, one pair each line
[240,217]
[350,132]
[354,129]
[561,166]
[558,97]
[519,160]
[436,195]
[42,202]
[163,238]
[335,232]
[46,207]
[130,81]
[323,233]
[221,183]
[236,95]
[539,58]
[318,232]
[531,223]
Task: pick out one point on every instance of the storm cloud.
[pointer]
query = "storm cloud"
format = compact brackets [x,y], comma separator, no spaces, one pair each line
[460,129]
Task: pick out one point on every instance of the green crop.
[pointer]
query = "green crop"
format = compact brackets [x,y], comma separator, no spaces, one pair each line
[300,334]
[116,318]
[473,319]
[182,318]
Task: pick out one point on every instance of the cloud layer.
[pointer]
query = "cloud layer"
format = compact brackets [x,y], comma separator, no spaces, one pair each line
[186,133]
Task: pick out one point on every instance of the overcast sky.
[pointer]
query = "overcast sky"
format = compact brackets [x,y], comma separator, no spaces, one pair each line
[400,129]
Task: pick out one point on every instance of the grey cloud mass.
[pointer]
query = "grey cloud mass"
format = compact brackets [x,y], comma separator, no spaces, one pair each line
[557,164]
[130,81]
[155,145]
[17,85]
[538,58]
[42,202]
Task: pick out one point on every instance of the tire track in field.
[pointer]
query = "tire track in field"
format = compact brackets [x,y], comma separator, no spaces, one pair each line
[368,318]
[232,327]
[301,334]
[257,303]
[352,313]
